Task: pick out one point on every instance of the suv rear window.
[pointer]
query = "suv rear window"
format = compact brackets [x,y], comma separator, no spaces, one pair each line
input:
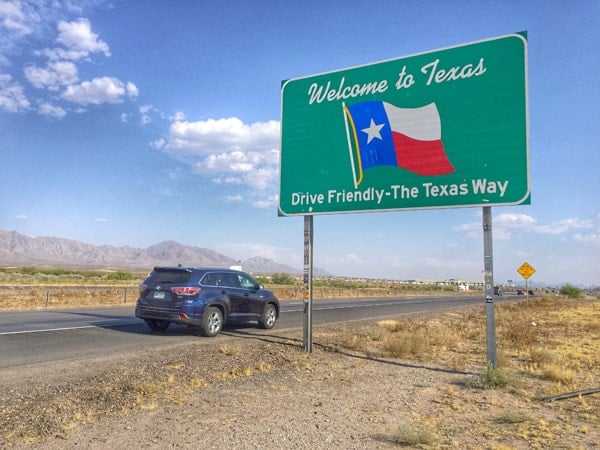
[175,276]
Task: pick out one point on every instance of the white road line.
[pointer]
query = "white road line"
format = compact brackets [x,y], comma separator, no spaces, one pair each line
[65,328]
[47,329]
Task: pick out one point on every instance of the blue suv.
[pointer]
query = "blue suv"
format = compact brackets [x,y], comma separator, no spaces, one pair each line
[205,298]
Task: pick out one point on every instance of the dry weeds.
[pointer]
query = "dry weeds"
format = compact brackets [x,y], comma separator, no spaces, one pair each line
[448,398]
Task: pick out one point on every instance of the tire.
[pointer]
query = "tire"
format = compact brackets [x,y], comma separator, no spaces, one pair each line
[212,322]
[268,318]
[158,325]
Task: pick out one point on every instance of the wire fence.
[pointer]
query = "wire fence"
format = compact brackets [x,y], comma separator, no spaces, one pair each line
[37,296]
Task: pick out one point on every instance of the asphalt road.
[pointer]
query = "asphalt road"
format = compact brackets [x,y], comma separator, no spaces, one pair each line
[29,337]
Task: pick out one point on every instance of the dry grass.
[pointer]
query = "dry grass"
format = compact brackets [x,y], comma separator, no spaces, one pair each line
[548,339]
[230,350]
[414,434]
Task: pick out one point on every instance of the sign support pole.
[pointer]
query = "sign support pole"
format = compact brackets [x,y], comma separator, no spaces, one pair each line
[488,267]
[308,283]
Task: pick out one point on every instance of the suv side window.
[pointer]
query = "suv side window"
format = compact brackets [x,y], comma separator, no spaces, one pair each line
[210,279]
[229,280]
[246,282]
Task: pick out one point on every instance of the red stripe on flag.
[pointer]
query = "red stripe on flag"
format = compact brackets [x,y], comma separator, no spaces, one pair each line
[421,157]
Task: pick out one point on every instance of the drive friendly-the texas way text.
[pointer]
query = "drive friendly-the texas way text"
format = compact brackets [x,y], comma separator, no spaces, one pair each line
[479,186]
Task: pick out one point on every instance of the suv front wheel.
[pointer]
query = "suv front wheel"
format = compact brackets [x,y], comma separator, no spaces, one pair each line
[268,318]
[212,322]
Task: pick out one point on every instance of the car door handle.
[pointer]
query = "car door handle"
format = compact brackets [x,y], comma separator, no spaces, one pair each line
[246,294]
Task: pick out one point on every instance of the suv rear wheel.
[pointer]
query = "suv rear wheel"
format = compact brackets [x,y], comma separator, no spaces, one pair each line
[212,322]
[268,318]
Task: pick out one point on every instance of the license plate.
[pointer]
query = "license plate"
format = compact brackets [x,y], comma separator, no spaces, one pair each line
[159,295]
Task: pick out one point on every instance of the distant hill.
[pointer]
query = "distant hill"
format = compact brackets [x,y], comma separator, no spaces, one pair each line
[20,250]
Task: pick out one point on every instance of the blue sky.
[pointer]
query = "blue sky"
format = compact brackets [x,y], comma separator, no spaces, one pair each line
[131,123]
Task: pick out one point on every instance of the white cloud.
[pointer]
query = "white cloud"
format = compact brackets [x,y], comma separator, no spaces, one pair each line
[47,109]
[145,113]
[100,90]
[263,177]
[502,226]
[563,226]
[235,152]
[237,161]
[12,98]
[225,162]
[227,180]
[132,90]
[55,74]
[514,220]
[592,238]
[505,224]
[158,144]
[79,41]
[269,202]
[178,116]
[258,170]
[212,136]
[22,216]
[12,17]
[74,41]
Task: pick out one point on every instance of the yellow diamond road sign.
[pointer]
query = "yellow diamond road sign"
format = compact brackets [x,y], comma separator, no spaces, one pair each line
[526,270]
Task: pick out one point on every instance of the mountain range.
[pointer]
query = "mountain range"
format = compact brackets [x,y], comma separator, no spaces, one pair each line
[19,250]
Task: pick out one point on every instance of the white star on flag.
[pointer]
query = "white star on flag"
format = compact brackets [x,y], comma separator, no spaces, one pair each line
[373,131]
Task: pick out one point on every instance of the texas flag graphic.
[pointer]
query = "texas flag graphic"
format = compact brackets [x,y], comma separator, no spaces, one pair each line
[384,134]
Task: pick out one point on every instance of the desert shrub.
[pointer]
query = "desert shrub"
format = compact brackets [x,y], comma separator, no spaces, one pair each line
[375,334]
[554,372]
[542,356]
[495,377]
[282,278]
[390,325]
[413,435]
[517,332]
[354,343]
[420,340]
[120,275]
[513,417]
[407,344]
[571,291]
[230,350]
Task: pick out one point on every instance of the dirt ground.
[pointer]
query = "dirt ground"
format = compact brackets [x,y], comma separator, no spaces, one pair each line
[263,391]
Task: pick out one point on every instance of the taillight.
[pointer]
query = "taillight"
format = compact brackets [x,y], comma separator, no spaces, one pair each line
[142,288]
[187,290]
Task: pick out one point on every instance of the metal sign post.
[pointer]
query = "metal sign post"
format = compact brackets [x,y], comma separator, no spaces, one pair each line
[488,267]
[307,283]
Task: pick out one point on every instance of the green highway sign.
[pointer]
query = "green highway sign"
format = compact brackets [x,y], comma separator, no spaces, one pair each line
[442,129]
